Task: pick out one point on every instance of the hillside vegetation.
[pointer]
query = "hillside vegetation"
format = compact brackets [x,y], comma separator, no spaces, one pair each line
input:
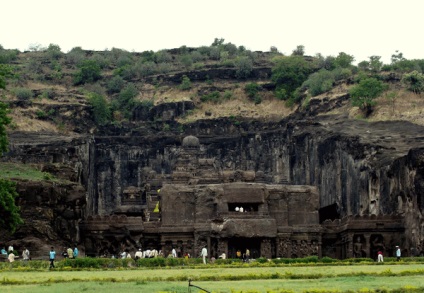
[49,90]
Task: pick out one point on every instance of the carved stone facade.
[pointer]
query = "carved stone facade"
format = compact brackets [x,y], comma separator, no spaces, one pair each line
[203,204]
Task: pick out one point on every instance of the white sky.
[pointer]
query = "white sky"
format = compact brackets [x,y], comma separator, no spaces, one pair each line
[361,28]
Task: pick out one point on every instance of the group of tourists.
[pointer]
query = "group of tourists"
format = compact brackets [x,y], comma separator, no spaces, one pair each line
[11,254]
[67,253]
[149,253]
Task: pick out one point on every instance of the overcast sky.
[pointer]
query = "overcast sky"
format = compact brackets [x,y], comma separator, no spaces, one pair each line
[361,28]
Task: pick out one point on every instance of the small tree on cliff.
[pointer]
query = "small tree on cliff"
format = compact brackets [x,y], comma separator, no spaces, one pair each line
[10,218]
[364,93]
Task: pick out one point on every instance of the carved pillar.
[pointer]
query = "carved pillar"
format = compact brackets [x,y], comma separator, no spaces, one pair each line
[266,249]
[222,247]
[209,246]
[349,251]
[320,248]
[367,245]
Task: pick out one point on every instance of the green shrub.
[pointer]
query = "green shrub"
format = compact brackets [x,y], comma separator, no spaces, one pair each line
[244,67]
[288,74]
[162,56]
[48,94]
[7,56]
[185,83]
[252,91]
[414,82]
[23,93]
[101,110]
[53,51]
[100,60]
[363,94]
[186,60]
[341,73]
[211,97]
[75,56]
[228,95]
[89,71]
[319,82]
[164,67]
[115,84]
[124,60]
[126,100]
[196,56]
[146,68]
[127,72]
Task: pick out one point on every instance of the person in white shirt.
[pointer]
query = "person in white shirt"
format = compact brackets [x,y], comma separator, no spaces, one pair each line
[11,257]
[25,254]
[174,253]
[138,254]
[204,254]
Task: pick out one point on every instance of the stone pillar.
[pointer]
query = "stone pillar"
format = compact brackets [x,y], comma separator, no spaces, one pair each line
[266,248]
[367,245]
[320,248]
[222,247]
[209,247]
[349,253]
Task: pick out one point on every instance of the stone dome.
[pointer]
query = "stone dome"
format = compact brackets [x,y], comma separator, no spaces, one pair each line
[191,141]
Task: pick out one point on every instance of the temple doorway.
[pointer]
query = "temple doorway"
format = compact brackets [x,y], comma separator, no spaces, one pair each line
[242,243]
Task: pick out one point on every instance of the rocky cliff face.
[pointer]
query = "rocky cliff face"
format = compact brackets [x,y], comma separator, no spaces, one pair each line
[359,168]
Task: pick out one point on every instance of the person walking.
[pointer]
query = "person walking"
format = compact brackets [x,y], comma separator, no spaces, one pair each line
[204,254]
[380,256]
[52,256]
[398,253]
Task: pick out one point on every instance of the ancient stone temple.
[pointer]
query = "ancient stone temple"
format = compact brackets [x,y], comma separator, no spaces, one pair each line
[201,203]
[287,189]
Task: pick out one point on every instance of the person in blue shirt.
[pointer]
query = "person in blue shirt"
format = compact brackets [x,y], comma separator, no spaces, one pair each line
[3,251]
[52,256]
[398,253]
[75,253]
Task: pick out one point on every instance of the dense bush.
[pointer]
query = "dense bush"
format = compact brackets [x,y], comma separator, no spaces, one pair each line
[101,111]
[244,67]
[53,51]
[7,56]
[288,74]
[89,71]
[252,90]
[115,84]
[23,93]
[319,82]
[185,83]
[125,102]
[186,60]
[146,68]
[75,56]
[414,82]
[211,97]
[162,56]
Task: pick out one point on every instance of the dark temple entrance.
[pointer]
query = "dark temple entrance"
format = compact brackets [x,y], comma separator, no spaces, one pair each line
[241,243]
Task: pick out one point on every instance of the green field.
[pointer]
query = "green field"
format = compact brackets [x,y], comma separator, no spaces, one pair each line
[356,278]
